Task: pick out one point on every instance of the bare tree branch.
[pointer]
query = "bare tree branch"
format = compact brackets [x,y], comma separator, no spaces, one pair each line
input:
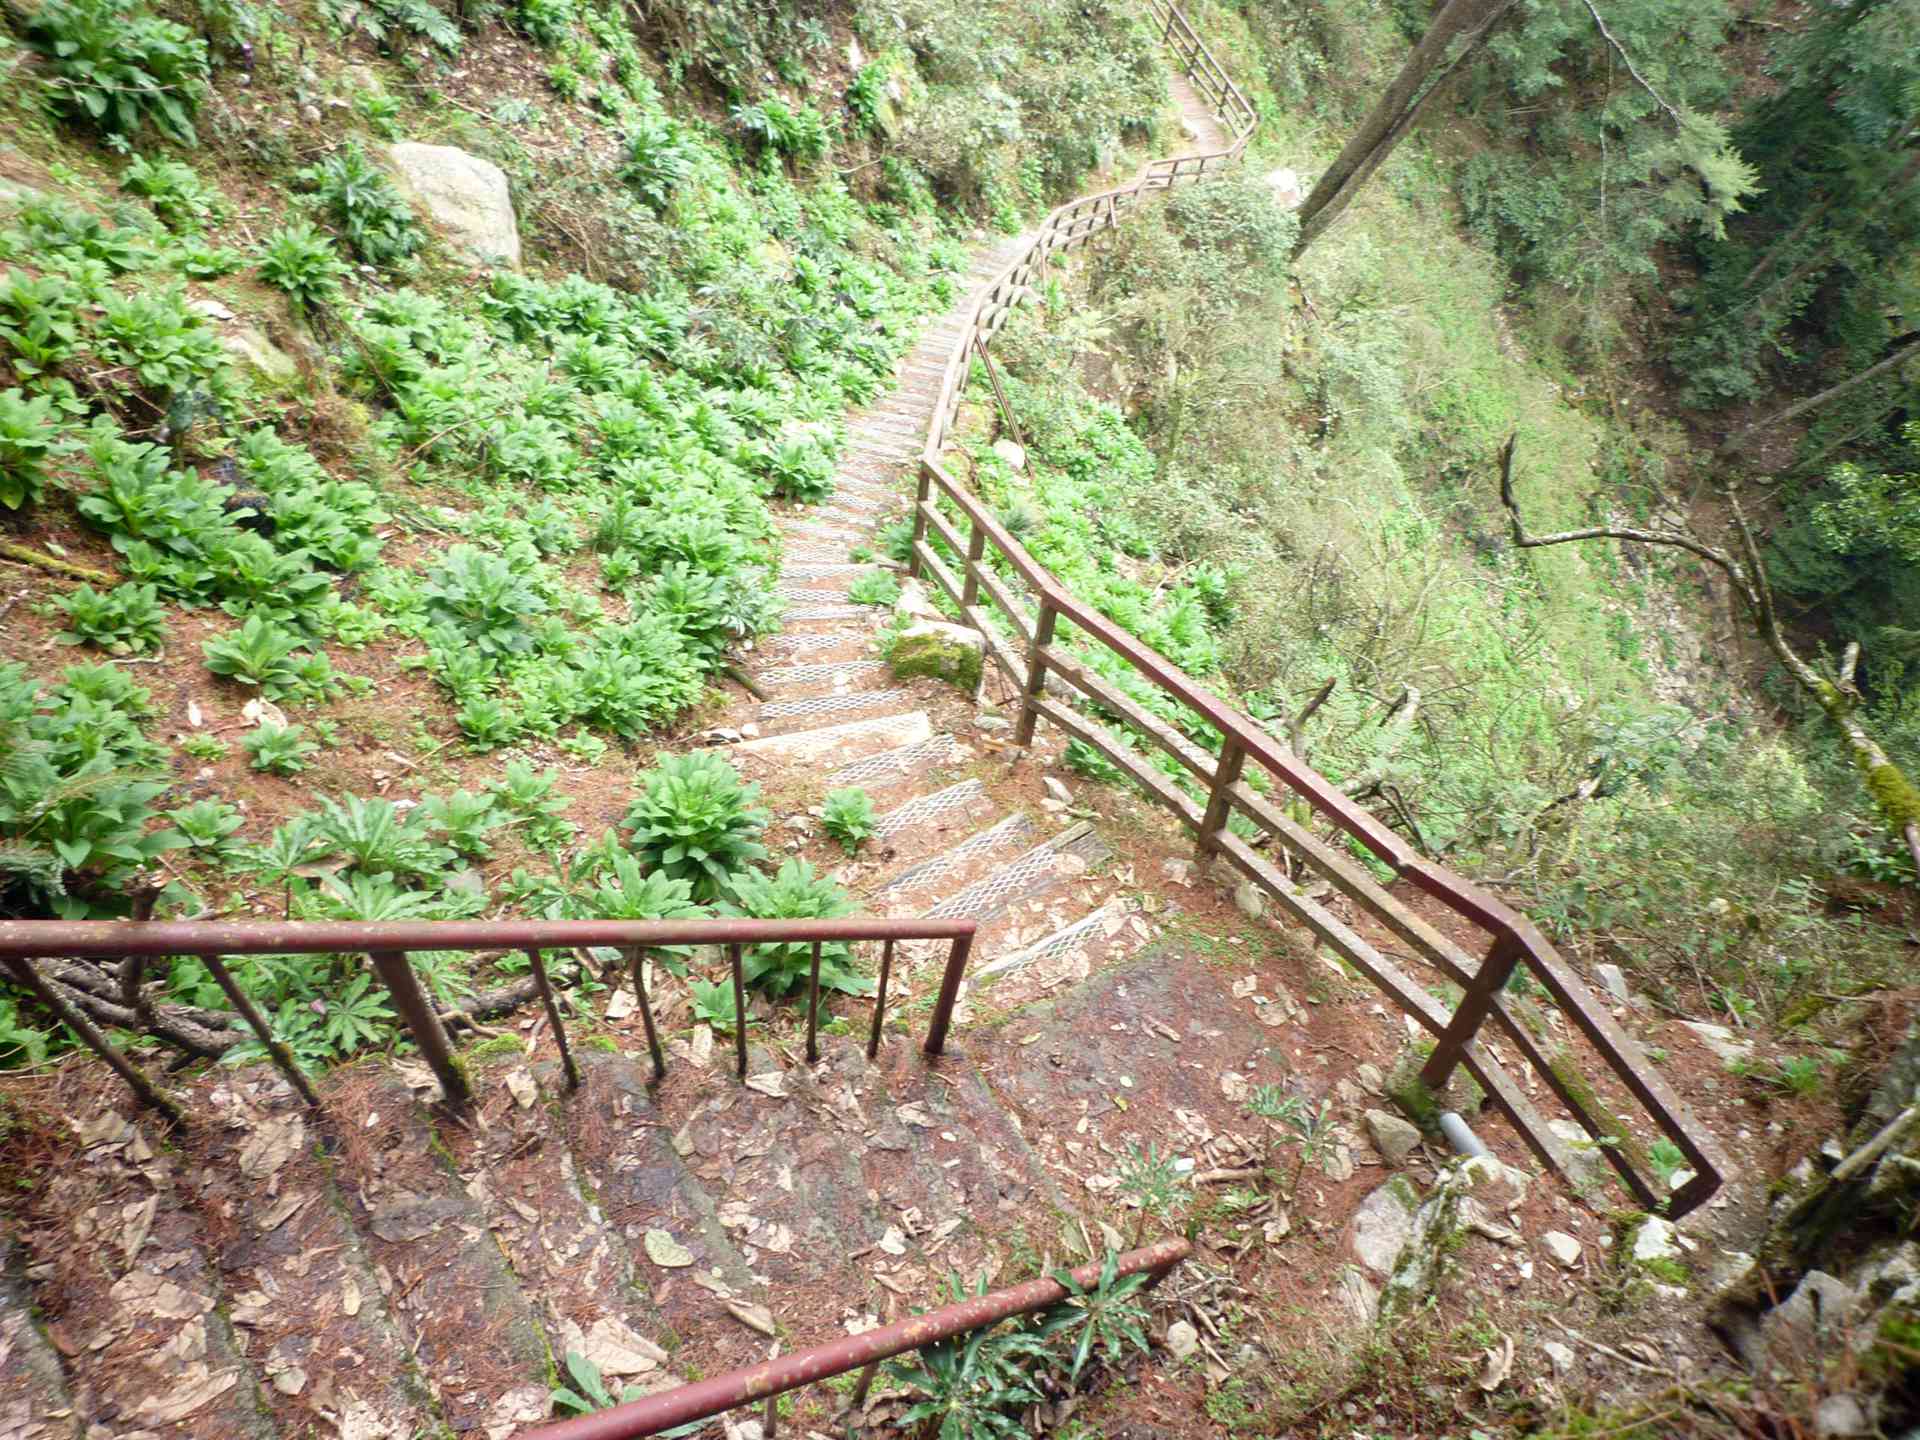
[1627,60]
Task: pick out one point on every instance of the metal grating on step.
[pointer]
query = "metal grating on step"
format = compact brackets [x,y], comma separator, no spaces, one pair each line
[822,589]
[1070,937]
[803,642]
[829,612]
[1010,829]
[825,673]
[823,569]
[833,704]
[892,765]
[1032,872]
[923,808]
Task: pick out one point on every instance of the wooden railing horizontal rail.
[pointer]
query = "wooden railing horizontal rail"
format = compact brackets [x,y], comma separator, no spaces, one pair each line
[386,943]
[1047,666]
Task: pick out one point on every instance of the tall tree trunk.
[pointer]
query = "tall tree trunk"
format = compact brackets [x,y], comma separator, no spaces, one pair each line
[1460,28]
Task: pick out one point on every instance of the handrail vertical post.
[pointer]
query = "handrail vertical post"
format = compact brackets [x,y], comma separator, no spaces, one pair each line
[1226,775]
[149,1094]
[1482,990]
[423,1022]
[544,984]
[949,994]
[922,496]
[1036,672]
[999,394]
[976,555]
[281,1056]
[646,1013]
[738,963]
[880,999]
[813,1007]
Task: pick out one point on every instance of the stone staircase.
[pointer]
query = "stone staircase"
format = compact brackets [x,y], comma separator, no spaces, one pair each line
[392,1271]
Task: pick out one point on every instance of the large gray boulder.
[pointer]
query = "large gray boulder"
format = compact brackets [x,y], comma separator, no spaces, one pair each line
[465,196]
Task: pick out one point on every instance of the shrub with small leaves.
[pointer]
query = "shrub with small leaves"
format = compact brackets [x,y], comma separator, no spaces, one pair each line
[848,817]
[545,22]
[659,158]
[122,621]
[694,820]
[301,261]
[279,749]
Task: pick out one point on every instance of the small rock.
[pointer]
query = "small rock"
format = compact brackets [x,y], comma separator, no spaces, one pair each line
[1393,1137]
[1058,791]
[1615,981]
[954,653]
[1362,1296]
[1182,1340]
[992,722]
[1285,184]
[1655,1240]
[1180,872]
[1720,1040]
[465,196]
[1248,899]
[310,114]
[1370,1078]
[1586,1166]
[1382,1226]
[1494,1183]
[1563,1247]
[1841,1415]
[1560,1355]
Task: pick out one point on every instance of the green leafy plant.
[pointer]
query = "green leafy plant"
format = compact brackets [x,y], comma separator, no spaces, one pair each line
[774,127]
[119,68]
[546,22]
[713,1004]
[208,826]
[695,821]
[795,892]
[360,198]
[527,795]
[1800,1075]
[659,158]
[876,587]
[1665,1158]
[30,440]
[484,600]
[799,470]
[465,820]
[301,261]
[1153,1181]
[387,22]
[178,196]
[376,837]
[122,621]
[589,1390]
[976,1385]
[848,817]
[1107,1317]
[264,654]
[202,746]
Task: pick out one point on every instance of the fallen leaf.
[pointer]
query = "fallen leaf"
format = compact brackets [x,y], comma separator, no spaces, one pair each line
[185,1394]
[757,1316]
[259,711]
[620,1005]
[914,1115]
[271,1145]
[667,1252]
[146,1293]
[1243,988]
[894,1242]
[520,1085]
[702,1046]
[350,1296]
[138,1218]
[1499,1365]
[194,716]
[773,1082]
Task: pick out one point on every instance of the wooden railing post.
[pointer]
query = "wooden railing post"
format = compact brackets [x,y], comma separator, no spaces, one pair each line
[921,497]
[1036,672]
[1482,990]
[976,554]
[1233,760]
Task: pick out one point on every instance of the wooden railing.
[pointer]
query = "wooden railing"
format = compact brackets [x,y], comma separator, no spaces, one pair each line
[1029,644]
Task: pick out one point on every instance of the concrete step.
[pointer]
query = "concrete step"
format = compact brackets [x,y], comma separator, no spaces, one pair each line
[829,677]
[953,870]
[841,745]
[1040,869]
[780,717]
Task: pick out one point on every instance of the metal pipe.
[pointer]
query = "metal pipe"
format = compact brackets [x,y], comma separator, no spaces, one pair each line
[1463,1140]
[423,1021]
[949,995]
[547,998]
[646,1015]
[880,999]
[654,1413]
[113,939]
[148,1093]
[813,1007]
[739,1008]
[276,1048]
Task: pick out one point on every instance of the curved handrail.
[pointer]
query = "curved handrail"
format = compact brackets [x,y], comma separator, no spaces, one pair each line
[1515,940]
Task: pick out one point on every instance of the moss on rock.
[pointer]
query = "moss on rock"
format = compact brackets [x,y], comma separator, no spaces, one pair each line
[946,652]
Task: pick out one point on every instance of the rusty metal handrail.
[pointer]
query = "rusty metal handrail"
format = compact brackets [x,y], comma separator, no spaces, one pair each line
[1043,665]
[703,1398]
[387,944]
